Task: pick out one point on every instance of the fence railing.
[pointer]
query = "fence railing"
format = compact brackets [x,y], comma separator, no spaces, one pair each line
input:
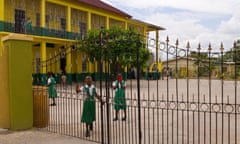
[196,104]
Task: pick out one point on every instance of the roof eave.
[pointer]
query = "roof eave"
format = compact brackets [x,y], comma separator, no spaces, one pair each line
[150,27]
[106,7]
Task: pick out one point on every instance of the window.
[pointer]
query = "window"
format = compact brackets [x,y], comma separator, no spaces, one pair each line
[83,29]
[38,19]
[19,21]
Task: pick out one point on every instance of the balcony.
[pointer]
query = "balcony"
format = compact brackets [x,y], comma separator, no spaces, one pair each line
[38,31]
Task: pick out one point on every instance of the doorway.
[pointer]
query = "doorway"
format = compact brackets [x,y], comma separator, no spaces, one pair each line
[19,21]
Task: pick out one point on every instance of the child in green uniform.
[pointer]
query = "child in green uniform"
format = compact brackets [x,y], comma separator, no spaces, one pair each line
[52,93]
[89,107]
[119,100]
[28,25]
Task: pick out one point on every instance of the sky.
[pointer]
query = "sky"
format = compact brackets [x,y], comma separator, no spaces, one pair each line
[198,21]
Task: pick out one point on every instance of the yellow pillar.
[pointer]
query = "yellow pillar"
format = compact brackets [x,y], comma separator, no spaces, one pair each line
[69,19]
[145,34]
[68,60]
[107,22]
[43,13]
[58,61]
[125,69]
[69,64]
[43,51]
[34,59]
[79,62]
[50,66]
[43,58]
[89,64]
[107,27]
[2,10]
[89,21]
[43,16]
[157,36]
[126,25]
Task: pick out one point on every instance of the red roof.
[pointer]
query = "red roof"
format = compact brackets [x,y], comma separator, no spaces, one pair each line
[104,6]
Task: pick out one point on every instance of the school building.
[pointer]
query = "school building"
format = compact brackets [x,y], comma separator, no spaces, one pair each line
[55,26]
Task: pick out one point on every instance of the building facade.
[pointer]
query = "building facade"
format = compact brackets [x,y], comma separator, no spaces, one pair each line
[55,25]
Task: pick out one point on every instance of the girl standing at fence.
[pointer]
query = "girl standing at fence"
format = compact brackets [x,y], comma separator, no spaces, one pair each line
[119,100]
[89,107]
[52,93]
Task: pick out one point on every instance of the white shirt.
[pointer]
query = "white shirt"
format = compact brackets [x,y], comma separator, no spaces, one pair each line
[49,80]
[82,89]
[114,84]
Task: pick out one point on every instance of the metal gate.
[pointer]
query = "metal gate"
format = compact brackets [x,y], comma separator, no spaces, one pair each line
[192,97]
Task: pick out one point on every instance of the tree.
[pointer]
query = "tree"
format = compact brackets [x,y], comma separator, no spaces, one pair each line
[204,62]
[114,45]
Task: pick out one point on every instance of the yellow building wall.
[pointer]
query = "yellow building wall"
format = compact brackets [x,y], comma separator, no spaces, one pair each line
[98,22]
[74,62]
[54,13]
[116,23]
[57,9]
[79,61]
[138,28]
[4,90]
[53,60]
[79,18]
[30,7]
[93,18]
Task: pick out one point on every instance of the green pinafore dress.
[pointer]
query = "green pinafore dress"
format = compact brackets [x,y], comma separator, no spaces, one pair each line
[52,93]
[119,99]
[89,107]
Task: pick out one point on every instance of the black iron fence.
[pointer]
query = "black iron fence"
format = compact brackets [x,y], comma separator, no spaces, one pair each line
[194,99]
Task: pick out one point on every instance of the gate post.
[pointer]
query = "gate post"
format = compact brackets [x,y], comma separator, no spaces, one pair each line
[16,83]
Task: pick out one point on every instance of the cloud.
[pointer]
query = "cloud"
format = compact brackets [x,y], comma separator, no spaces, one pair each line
[201,21]
[231,26]
[179,27]
[213,6]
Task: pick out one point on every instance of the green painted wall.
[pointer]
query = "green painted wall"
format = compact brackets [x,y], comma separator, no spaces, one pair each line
[20,82]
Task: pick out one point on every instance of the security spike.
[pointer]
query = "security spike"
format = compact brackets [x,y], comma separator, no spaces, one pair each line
[188,45]
[221,47]
[209,47]
[167,39]
[235,44]
[199,47]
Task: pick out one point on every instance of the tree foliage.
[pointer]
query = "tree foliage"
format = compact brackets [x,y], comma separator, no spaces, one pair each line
[117,46]
[203,62]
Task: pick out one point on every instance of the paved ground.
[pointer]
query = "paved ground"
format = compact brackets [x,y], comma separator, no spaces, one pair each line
[34,136]
[176,120]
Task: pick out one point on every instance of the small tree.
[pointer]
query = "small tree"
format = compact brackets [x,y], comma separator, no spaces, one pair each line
[203,61]
[117,46]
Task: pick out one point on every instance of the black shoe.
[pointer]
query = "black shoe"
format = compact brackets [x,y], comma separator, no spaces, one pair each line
[124,119]
[91,127]
[87,134]
[53,104]
[115,119]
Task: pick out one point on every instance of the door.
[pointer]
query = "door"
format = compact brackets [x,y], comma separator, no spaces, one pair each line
[19,21]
